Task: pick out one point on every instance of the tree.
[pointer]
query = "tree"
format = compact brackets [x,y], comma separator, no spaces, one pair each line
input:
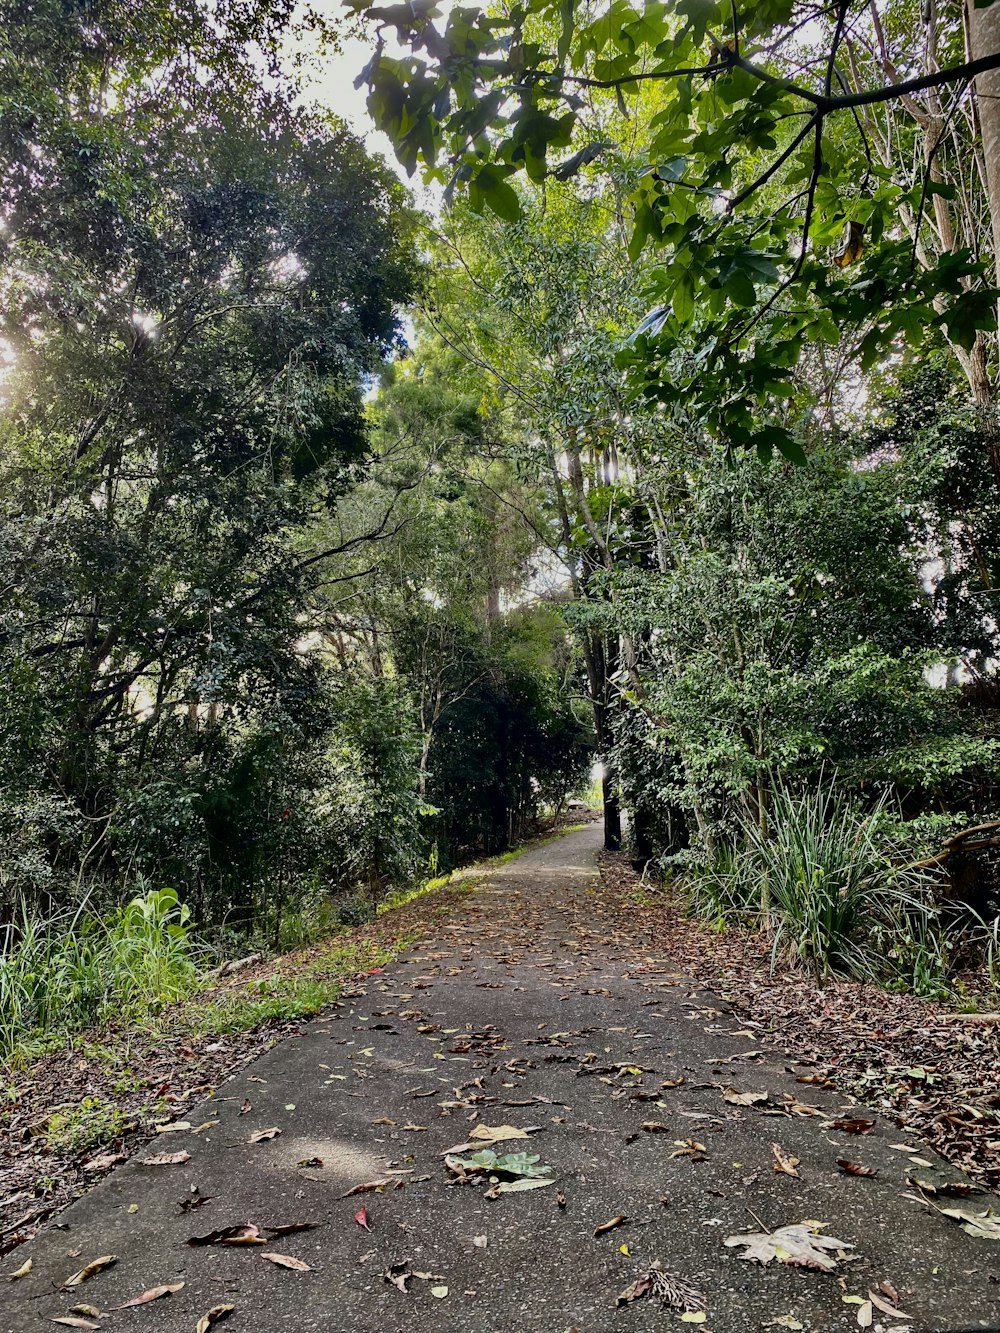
[741,174]
[197,275]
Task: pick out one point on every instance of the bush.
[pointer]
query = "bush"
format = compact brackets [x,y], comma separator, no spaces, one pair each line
[817,876]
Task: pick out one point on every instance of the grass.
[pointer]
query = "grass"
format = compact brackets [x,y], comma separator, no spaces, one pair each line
[76,969]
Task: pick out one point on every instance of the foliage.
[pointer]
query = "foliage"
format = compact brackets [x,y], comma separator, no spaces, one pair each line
[819,873]
[75,968]
[758,166]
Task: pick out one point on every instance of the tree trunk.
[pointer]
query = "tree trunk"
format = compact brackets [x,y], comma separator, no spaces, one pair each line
[983,33]
[612,811]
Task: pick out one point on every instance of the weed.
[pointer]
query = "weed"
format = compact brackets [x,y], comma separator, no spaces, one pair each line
[87,1125]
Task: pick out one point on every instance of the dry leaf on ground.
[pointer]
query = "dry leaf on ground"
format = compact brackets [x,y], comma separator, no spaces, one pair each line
[262,1135]
[167,1159]
[799,1246]
[153,1294]
[213,1316]
[286,1261]
[856,1169]
[614,1222]
[90,1270]
[737,1098]
[783,1161]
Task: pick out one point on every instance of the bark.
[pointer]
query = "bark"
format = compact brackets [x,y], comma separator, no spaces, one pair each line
[983,31]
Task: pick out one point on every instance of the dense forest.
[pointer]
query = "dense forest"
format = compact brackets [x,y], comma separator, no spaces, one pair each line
[340,536]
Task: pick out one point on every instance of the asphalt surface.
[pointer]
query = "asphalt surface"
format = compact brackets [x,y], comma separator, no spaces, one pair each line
[535,1007]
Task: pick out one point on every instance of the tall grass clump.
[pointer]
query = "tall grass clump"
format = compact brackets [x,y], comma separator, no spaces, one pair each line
[817,876]
[62,973]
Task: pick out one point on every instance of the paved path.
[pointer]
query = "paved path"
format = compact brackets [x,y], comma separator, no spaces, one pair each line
[534,1007]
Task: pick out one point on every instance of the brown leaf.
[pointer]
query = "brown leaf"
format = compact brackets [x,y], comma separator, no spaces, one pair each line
[398,1274]
[248,1234]
[214,1316]
[247,1106]
[263,1134]
[856,1169]
[291,1228]
[849,1126]
[73,1321]
[737,1098]
[670,1083]
[642,1286]
[174,1127]
[794,1107]
[654,1127]
[153,1294]
[367,1187]
[610,1225]
[309,1161]
[361,1217]
[783,1161]
[286,1261]
[882,1304]
[89,1270]
[167,1159]
[560,1199]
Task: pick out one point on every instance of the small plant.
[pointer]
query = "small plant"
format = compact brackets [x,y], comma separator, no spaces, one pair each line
[818,878]
[87,1125]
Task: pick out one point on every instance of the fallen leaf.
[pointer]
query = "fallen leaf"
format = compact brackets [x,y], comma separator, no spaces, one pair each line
[213,1316]
[693,1317]
[153,1294]
[560,1200]
[23,1271]
[786,1320]
[90,1270]
[174,1127]
[654,1127]
[881,1304]
[618,1221]
[247,1106]
[286,1261]
[866,1315]
[783,1161]
[309,1161]
[856,1169]
[206,1124]
[263,1134]
[497,1133]
[72,1321]
[247,1234]
[291,1228]
[167,1159]
[984,1226]
[480,1242]
[737,1098]
[361,1217]
[398,1275]
[439,1292]
[688,1148]
[849,1126]
[362,1189]
[798,1245]
[518,1186]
